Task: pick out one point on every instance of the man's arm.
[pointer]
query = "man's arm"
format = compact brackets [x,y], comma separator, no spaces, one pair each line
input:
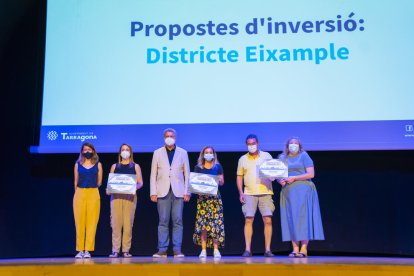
[187,195]
[239,181]
[153,177]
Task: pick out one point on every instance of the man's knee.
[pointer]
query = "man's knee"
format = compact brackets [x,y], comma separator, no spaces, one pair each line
[267,220]
[248,220]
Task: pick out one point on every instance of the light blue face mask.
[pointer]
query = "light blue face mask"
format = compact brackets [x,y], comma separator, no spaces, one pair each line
[293,148]
[208,156]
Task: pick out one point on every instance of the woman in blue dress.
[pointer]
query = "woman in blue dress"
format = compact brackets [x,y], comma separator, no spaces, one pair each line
[299,205]
[209,226]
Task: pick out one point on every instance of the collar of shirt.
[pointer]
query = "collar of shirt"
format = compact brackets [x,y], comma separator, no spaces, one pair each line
[170,150]
[253,157]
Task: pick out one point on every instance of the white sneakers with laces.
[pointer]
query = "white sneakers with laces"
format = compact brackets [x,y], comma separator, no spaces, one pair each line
[83,255]
[203,254]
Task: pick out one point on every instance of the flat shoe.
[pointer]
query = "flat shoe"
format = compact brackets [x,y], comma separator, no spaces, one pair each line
[301,255]
[293,254]
[126,255]
[247,254]
[203,254]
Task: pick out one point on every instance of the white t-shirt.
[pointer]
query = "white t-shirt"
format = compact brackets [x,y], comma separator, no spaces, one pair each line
[248,167]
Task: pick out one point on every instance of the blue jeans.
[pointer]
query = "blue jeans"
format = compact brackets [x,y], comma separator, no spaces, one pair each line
[170,206]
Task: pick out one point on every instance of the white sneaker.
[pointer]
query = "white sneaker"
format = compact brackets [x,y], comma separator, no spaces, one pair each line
[160,254]
[203,254]
[178,254]
[87,255]
[79,255]
[216,254]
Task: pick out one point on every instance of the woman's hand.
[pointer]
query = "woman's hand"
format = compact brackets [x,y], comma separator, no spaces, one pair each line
[290,179]
[282,182]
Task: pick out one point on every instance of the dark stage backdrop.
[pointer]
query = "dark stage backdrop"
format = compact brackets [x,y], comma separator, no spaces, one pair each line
[365,196]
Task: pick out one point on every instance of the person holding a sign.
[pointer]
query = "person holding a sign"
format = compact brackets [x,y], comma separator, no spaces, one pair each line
[209,226]
[299,205]
[123,201]
[86,201]
[169,189]
[257,192]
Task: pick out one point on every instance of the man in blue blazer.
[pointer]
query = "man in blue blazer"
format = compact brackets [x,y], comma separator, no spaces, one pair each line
[169,189]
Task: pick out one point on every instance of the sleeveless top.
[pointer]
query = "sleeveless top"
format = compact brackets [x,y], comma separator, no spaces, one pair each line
[125,169]
[87,178]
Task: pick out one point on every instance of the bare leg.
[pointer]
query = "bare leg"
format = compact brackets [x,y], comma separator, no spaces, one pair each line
[268,228]
[295,245]
[248,232]
[304,247]
[204,239]
[215,244]
[216,250]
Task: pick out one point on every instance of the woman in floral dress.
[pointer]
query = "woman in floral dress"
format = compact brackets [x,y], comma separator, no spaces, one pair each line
[209,226]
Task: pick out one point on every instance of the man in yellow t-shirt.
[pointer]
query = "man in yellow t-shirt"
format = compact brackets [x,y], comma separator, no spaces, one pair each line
[257,192]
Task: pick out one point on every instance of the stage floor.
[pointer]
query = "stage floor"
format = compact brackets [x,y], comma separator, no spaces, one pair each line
[193,266]
[312,260]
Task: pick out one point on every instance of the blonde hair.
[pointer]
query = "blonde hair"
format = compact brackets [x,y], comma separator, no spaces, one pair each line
[285,153]
[201,160]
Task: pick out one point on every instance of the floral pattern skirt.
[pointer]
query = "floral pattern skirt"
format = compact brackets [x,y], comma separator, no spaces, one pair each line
[210,217]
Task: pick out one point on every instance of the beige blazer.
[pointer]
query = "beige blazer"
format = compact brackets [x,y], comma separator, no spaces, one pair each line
[163,175]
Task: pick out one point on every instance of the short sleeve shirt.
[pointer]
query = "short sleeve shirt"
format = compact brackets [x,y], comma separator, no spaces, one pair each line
[297,165]
[248,167]
[217,169]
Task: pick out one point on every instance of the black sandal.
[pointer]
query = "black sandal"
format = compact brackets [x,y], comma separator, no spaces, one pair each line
[301,255]
[293,254]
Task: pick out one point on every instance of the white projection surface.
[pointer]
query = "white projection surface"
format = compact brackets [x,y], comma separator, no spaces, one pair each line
[338,74]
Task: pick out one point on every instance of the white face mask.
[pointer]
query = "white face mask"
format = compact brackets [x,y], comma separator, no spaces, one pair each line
[252,148]
[208,156]
[293,148]
[169,141]
[125,154]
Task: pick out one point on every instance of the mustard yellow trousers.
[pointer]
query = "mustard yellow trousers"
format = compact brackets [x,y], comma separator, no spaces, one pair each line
[122,219]
[86,208]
